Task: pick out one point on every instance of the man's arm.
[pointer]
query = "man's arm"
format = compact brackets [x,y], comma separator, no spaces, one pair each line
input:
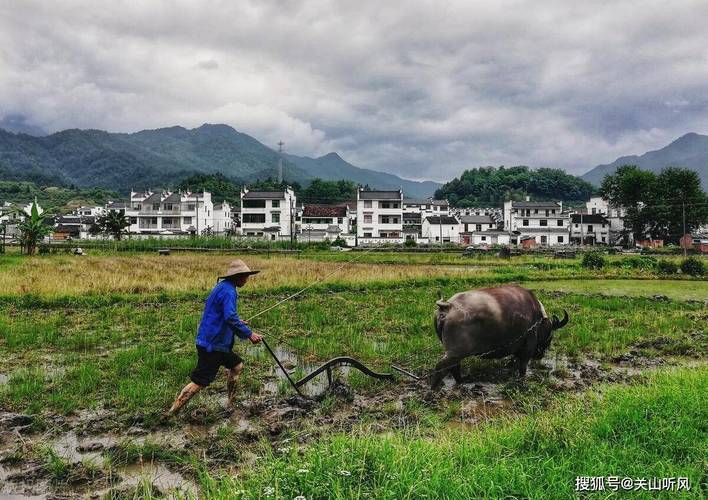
[238,326]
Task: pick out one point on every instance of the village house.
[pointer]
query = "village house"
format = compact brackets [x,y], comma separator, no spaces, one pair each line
[170,213]
[695,241]
[426,207]
[437,228]
[324,222]
[490,237]
[268,214]
[379,217]
[78,224]
[614,215]
[475,223]
[589,229]
[544,221]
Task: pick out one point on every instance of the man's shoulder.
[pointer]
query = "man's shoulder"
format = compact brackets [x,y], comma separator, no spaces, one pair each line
[224,288]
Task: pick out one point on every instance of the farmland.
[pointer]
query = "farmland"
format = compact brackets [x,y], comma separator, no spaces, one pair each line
[95,348]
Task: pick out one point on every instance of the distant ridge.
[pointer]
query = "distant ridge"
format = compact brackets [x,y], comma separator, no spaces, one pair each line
[688,151]
[164,156]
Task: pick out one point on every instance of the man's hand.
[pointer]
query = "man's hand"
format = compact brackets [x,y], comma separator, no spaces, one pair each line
[255,338]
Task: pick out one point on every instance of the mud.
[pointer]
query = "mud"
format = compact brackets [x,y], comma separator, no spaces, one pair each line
[95,447]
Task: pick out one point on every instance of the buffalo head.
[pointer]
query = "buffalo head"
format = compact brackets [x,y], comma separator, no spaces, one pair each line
[545,333]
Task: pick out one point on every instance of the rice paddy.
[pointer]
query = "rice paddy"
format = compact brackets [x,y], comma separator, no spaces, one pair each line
[96,348]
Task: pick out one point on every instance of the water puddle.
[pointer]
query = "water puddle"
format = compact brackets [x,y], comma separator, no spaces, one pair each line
[166,481]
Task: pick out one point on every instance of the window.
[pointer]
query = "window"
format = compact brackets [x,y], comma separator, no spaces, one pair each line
[484,238]
[543,222]
[340,220]
[559,223]
[535,210]
[367,218]
[156,206]
[367,203]
[187,220]
[478,227]
[253,203]
[275,218]
[603,239]
[367,235]
[275,204]
[525,222]
[576,226]
[190,207]
[590,228]
[546,212]
[544,240]
[593,211]
[167,206]
[133,220]
[560,239]
[137,206]
[254,218]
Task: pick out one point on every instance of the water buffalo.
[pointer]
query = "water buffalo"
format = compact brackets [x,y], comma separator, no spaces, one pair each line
[492,323]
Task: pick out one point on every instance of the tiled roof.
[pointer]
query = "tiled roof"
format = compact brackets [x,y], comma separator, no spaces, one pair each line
[476,219]
[324,211]
[379,195]
[534,204]
[588,219]
[264,195]
[424,201]
[446,219]
[173,198]
[414,216]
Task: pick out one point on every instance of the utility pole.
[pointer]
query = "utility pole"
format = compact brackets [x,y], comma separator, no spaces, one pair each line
[280,161]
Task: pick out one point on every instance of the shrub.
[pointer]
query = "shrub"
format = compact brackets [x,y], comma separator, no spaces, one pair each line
[640,262]
[666,266]
[593,260]
[410,243]
[693,267]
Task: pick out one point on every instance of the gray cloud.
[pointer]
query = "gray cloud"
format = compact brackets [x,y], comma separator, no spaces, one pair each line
[422,89]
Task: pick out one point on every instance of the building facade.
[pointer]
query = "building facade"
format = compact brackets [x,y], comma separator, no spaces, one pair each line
[589,229]
[544,221]
[268,214]
[379,217]
[324,222]
[169,213]
[441,228]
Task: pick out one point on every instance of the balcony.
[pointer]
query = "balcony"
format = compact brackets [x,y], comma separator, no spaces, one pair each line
[149,211]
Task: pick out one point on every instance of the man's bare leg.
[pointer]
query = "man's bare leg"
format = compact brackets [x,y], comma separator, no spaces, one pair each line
[185,395]
[231,377]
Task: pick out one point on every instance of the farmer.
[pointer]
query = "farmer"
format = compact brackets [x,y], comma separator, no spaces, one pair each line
[215,338]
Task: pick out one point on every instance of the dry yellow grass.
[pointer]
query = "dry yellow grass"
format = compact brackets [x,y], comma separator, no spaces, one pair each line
[59,275]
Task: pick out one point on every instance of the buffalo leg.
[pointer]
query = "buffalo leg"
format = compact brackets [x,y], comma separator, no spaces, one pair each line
[442,369]
[523,363]
[456,372]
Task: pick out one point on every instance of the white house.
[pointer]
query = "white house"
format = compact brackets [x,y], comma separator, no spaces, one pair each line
[426,207]
[324,222]
[544,221]
[614,215]
[269,214]
[379,217]
[475,223]
[443,228]
[223,219]
[490,237]
[168,213]
[589,229]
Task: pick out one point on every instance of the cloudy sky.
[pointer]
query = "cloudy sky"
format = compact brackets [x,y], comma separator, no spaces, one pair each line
[423,89]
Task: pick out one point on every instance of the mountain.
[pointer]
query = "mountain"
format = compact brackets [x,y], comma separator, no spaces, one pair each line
[162,157]
[332,167]
[689,151]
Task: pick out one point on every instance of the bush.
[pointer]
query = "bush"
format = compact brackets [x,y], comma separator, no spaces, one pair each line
[693,267]
[666,266]
[410,243]
[643,262]
[593,260]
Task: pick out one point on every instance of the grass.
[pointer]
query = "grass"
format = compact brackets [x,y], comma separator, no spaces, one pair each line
[116,333]
[134,357]
[655,429]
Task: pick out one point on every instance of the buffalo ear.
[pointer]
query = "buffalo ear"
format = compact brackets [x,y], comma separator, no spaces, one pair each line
[443,305]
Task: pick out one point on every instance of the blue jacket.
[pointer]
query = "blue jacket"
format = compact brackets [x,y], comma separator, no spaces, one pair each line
[220,320]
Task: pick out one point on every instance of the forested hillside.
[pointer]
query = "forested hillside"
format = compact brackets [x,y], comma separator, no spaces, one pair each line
[492,185]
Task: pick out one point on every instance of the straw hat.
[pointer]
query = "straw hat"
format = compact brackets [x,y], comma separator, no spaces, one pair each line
[237,267]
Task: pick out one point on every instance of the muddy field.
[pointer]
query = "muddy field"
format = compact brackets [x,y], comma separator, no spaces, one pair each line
[88,378]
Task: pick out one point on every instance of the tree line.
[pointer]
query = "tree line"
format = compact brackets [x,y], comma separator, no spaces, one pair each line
[492,185]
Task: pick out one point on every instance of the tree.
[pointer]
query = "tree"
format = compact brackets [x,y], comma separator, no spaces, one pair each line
[113,223]
[322,192]
[655,204]
[33,229]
